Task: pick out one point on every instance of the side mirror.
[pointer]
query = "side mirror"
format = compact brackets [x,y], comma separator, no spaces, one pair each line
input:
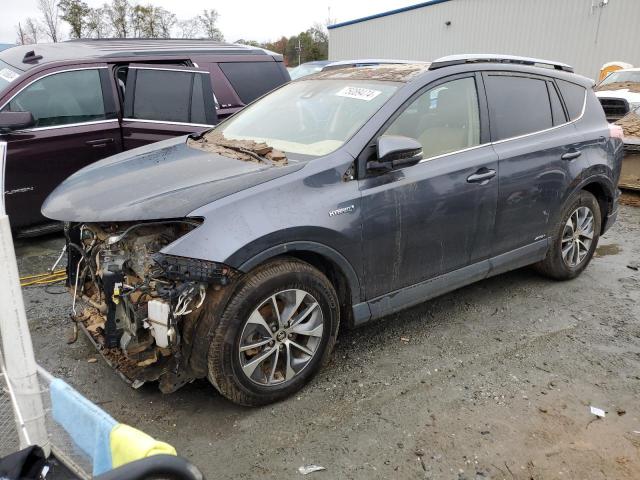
[395,151]
[15,120]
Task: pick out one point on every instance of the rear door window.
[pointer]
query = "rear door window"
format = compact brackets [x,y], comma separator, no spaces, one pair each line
[574,97]
[169,95]
[517,105]
[62,99]
[253,79]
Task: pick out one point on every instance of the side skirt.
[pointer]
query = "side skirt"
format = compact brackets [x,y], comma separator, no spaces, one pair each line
[421,292]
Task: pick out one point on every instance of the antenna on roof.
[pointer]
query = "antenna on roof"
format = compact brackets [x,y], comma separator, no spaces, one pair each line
[31,57]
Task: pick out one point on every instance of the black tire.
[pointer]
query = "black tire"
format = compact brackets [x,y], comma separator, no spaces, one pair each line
[224,357]
[554,265]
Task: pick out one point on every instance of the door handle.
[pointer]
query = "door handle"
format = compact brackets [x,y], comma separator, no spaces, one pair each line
[571,154]
[102,142]
[481,176]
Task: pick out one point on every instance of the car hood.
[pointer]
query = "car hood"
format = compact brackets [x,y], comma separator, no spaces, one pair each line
[625,93]
[167,179]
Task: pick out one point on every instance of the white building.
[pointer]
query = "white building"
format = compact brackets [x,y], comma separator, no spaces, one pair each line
[582,33]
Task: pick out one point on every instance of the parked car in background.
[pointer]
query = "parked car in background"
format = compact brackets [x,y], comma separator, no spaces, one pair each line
[619,93]
[336,199]
[66,105]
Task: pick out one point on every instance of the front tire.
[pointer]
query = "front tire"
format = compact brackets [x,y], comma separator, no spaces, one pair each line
[574,238]
[275,333]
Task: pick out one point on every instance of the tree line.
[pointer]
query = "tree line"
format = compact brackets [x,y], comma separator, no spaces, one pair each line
[126,19]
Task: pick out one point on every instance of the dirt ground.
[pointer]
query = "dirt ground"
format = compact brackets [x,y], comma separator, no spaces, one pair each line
[491,381]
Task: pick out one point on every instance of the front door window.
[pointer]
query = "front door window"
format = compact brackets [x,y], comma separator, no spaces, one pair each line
[62,99]
[444,119]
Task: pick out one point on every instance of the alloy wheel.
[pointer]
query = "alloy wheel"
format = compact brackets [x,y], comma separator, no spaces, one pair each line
[281,337]
[577,236]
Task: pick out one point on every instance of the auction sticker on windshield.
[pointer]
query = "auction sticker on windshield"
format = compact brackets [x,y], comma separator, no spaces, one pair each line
[359,93]
[8,75]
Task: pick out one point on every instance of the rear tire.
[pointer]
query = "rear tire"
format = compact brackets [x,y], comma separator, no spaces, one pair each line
[276,332]
[574,238]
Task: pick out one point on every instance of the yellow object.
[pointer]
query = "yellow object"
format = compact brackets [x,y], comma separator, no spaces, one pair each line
[609,67]
[43,278]
[129,444]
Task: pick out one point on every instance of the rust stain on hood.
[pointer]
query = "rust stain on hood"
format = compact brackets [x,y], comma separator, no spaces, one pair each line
[247,150]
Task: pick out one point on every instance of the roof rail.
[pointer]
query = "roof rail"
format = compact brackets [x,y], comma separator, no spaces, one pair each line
[493,58]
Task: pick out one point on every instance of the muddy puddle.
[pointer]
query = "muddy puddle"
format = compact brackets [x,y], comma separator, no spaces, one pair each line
[605,250]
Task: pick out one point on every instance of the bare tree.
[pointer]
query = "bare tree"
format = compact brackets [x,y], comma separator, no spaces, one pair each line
[165,21]
[49,11]
[22,38]
[97,24]
[34,30]
[189,28]
[208,21]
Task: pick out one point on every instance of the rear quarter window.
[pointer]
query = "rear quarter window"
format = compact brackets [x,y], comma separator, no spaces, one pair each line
[517,105]
[573,96]
[253,79]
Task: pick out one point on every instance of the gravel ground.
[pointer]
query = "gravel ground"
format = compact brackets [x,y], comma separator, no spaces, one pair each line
[492,381]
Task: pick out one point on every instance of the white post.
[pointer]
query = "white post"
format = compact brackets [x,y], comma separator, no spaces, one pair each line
[17,348]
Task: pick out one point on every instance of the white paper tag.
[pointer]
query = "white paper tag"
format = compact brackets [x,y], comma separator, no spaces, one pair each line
[598,412]
[359,93]
[8,75]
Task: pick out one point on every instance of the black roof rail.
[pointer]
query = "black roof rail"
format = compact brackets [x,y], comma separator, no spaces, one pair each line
[492,58]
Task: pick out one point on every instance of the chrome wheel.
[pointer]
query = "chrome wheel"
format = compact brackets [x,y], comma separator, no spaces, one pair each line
[281,337]
[577,236]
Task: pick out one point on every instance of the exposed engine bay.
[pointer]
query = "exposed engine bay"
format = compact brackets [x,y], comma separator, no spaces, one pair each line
[136,296]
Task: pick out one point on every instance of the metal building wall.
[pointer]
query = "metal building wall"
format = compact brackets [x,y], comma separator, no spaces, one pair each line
[576,32]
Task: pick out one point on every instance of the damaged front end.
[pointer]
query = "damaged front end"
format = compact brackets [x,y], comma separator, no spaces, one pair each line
[136,297]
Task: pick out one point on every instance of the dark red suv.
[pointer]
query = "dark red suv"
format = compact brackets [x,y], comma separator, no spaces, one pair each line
[66,105]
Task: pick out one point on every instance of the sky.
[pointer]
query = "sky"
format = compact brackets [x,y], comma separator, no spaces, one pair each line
[246,19]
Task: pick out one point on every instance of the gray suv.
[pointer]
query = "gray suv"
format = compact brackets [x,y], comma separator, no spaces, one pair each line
[338,198]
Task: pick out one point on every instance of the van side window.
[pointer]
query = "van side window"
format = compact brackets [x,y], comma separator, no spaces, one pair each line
[162,95]
[573,96]
[62,99]
[443,119]
[517,105]
[253,79]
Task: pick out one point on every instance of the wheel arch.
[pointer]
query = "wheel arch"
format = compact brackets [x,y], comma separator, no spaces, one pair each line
[604,194]
[596,183]
[326,259]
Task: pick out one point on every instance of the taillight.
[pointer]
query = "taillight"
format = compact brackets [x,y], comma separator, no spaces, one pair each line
[616,131]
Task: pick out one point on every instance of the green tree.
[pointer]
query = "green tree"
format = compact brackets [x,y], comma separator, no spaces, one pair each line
[75,13]
[118,16]
[138,19]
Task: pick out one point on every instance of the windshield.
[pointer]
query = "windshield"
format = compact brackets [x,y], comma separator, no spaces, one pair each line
[620,76]
[309,117]
[7,75]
